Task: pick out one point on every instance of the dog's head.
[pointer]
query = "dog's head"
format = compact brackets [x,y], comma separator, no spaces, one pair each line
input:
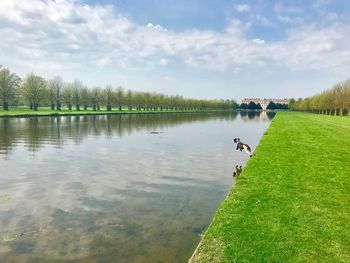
[236,140]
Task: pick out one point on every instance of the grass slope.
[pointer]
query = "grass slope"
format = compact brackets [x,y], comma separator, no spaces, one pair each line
[292,201]
[26,112]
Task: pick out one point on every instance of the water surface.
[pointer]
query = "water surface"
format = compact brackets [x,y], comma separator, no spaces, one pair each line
[122,188]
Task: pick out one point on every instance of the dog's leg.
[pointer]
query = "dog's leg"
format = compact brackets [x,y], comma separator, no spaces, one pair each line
[247,151]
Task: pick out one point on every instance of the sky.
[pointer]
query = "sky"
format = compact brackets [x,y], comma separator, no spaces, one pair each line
[194,48]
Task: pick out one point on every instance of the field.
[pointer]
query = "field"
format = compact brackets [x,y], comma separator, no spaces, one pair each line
[291,202]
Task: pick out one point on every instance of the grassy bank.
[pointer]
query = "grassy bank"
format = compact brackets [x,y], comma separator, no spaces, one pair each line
[26,112]
[291,203]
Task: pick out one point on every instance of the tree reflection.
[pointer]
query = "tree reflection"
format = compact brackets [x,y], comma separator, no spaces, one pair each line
[35,132]
[257,115]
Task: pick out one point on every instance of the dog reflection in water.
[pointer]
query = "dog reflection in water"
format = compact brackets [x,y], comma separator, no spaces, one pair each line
[238,171]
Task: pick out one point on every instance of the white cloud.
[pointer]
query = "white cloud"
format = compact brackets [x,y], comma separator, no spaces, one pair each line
[281,7]
[57,37]
[242,8]
[320,3]
[263,20]
[290,20]
[258,41]
[332,16]
[156,27]
[163,62]
[310,47]
[237,27]
[104,61]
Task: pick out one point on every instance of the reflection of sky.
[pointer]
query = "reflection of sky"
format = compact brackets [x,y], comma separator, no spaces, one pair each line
[147,190]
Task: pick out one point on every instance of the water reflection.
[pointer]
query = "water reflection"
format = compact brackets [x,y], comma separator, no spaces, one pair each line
[38,131]
[257,115]
[122,188]
[237,170]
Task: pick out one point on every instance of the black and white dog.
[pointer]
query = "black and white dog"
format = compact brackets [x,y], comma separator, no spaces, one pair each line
[242,146]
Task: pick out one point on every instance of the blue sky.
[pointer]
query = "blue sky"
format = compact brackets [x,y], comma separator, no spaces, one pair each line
[201,49]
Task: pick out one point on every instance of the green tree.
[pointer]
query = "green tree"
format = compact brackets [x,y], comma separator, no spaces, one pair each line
[120,97]
[55,89]
[9,82]
[291,103]
[34,90]
[139,99]
[76,93]
[129,99]
[347,96]
[95,98]
[85,97]
[68,96]
[108,97]
[243,106]
[271,106]
[252,105]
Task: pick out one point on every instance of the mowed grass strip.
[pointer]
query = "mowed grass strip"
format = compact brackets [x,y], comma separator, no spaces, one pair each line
[292,201]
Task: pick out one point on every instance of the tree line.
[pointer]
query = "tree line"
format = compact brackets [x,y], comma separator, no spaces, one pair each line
[257,106]
[250,106]
[276,106]
[34,91]
[334,101]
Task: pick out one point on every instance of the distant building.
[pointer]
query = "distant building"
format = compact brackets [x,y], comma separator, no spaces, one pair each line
[265,102]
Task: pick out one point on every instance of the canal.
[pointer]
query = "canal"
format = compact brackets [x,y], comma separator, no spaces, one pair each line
[121,188]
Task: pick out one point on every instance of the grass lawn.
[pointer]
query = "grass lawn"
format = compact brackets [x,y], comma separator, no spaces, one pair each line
[23,112]
[292,201]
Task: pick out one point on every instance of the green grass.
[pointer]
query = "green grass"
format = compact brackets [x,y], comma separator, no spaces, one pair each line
[23,112]
[292,201]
